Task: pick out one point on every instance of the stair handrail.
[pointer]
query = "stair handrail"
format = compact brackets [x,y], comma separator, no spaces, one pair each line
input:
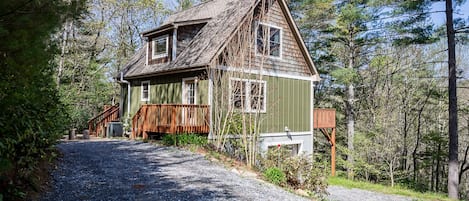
[99,119]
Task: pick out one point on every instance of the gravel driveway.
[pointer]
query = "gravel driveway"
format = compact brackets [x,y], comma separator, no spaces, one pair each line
[129,170]
[338,193]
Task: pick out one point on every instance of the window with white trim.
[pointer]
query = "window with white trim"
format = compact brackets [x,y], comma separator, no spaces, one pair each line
[248,95]
[269,40]
[145,91]
[160,47]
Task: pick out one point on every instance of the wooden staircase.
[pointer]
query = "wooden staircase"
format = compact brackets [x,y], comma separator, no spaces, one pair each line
[97,125]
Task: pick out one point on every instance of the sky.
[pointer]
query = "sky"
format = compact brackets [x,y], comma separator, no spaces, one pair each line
[440,17]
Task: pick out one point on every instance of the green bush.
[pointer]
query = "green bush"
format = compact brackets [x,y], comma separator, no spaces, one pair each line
[275,175]
[184,139]
[299,171]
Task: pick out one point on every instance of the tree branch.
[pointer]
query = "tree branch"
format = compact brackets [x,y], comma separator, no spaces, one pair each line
[464,169]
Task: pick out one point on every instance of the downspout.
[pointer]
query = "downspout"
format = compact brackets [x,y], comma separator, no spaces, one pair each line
[128,98]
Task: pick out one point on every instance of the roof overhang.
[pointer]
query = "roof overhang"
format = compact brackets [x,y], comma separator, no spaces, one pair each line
[168,72]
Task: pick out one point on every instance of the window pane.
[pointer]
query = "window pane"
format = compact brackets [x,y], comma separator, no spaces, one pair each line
[260,39]
[274,42]
[257,103]
[238,94]
[257,96]
[274,35]
[190,92]
[159,47]
[145,87]
[274,49]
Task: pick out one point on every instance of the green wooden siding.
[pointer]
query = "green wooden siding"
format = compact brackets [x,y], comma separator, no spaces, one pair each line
[165,89]
[288,100]
[288,105]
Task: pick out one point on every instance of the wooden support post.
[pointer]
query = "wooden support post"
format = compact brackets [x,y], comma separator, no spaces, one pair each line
[333,152]
[173,120]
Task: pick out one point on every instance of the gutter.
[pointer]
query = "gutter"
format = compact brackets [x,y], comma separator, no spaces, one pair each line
[128,97]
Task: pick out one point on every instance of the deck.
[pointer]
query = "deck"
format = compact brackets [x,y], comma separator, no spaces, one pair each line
[324,120]
[170,119]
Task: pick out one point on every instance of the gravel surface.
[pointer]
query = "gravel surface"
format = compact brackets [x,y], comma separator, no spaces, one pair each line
[129,170]
[338,193]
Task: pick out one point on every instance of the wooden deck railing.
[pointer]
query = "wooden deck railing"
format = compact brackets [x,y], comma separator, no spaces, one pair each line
[98,123]
[170,119]
[323,118]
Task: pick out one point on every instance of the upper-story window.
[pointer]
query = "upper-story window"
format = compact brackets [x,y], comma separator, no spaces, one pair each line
[269,40]
[160,47]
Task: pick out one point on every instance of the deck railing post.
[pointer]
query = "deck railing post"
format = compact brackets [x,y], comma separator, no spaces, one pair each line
[173,120]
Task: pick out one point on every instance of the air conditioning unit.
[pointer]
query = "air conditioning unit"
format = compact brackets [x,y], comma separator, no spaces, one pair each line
[114,129]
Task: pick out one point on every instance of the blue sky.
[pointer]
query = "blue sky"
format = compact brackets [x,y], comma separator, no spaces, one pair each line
[440,17]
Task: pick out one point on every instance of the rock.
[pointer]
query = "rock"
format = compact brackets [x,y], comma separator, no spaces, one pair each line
[301,192]
[249,174]
[234,170]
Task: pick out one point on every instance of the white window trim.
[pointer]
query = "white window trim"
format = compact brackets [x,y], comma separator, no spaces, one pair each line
[266,72]
[281,41]
[184,98]
[153,56]
[248,95]
[292,142]
[147,82]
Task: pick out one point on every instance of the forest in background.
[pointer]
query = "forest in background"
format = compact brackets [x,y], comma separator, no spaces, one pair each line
[387,52]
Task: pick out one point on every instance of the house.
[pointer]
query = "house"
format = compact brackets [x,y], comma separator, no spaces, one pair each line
[243,57]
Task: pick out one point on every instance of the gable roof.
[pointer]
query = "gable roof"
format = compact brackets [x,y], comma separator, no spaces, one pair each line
[223,18]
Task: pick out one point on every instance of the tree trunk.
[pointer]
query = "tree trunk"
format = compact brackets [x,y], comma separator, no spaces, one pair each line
[417,144]
[391,171]
[437,172]
[404,150]
[453,164]
[67,27]
[350,113]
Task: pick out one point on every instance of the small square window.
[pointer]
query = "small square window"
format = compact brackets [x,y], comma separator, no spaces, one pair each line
[160,47]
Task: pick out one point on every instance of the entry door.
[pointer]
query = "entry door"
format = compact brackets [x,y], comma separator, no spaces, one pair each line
[190,91]
[189,97]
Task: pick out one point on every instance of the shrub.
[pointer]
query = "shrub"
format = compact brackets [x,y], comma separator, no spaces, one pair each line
[184,139]
[299,171]
[275,175]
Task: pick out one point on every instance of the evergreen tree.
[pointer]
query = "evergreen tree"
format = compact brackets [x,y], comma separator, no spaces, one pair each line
[32,117]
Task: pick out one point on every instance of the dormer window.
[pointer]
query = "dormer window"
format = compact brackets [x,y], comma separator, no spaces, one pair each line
[269,40]
[160,47]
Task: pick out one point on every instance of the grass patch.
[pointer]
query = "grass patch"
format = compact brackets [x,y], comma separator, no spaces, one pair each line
[275,175]
[184,139]
[396,190]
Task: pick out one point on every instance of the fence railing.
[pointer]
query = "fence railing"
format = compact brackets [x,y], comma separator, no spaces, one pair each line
[170,119]
[324,118]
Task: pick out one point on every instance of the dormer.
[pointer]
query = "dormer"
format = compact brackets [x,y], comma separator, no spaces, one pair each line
[160,45]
